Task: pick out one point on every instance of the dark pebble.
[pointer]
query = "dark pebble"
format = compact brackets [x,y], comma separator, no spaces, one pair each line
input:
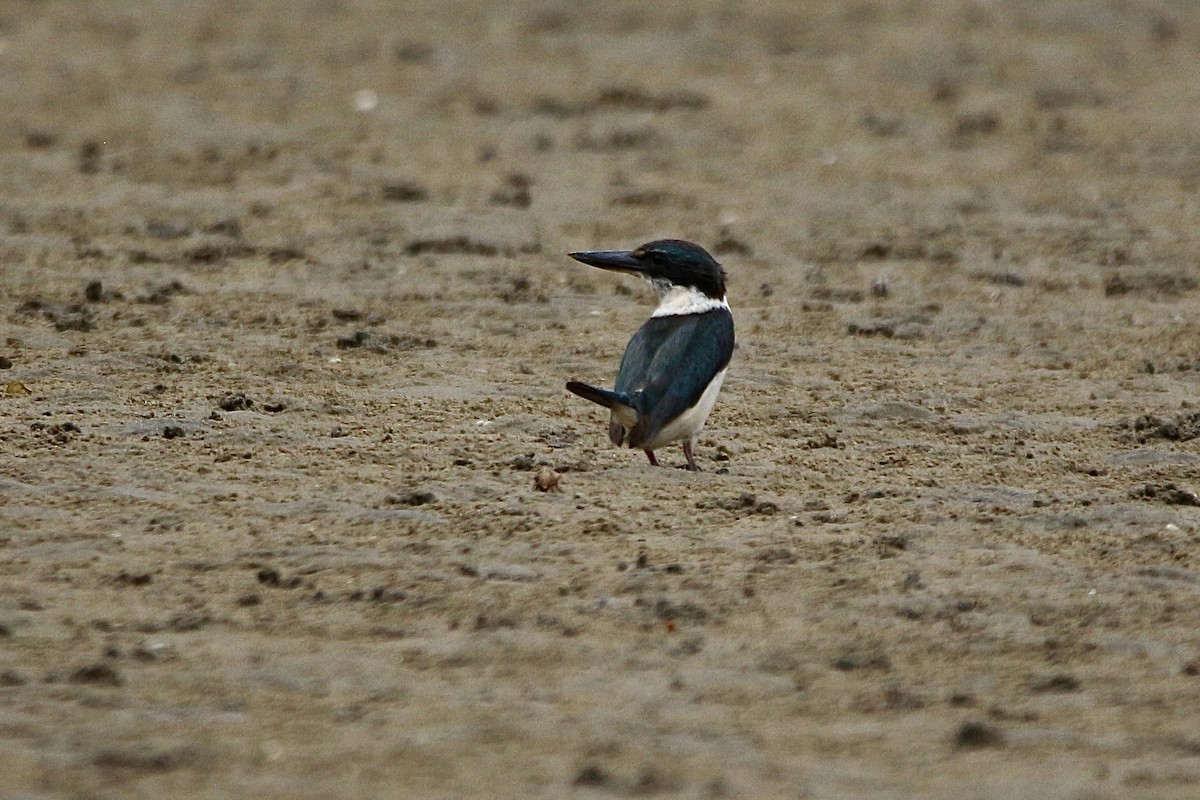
[230,226]
[235,401]
[869,660]
[973,734]
[591,775]
[97,675]
[413,52]
[404,193]
[134,579]
[417,497]
[5,363]
[382,594]
[1055,683]
[977,124]
[37,140]
[89,157]
[355,339]
[269,576]
[12,678]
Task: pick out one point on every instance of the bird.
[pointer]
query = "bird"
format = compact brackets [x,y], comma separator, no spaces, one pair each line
[673,367]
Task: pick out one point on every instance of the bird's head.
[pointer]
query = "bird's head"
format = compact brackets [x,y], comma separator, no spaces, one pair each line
[666,264]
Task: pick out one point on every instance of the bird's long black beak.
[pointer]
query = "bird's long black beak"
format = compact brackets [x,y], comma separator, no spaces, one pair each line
[616,260]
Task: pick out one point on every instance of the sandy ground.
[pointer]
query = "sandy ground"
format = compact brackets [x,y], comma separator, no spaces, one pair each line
[286,321]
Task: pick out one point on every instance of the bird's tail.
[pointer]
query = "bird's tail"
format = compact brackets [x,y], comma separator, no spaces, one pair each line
[624,413]
[603,397]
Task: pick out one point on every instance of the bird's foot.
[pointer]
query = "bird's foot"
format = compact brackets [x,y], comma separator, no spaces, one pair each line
[692,466]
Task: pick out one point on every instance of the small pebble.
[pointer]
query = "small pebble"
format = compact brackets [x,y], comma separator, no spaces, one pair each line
[973,735]
[547,480]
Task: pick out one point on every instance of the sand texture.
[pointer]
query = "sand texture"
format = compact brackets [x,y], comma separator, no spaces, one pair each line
[293,503]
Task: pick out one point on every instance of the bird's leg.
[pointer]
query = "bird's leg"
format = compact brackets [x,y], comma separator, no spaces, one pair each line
[653,460]
[691,457]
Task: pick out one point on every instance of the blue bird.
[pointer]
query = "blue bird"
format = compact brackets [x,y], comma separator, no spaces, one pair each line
[674,365]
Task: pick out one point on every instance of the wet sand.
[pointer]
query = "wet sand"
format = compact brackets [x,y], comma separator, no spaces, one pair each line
[286,321]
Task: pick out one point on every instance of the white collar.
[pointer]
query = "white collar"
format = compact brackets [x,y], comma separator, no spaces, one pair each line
[679,300]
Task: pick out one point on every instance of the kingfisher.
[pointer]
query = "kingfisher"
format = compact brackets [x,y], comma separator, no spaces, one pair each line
[674,365]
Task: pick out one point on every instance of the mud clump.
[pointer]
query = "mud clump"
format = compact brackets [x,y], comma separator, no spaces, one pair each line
[746,502]
[975,735]
[414,497]
[72,317]
[1179,428]
[404,192]
[97,675]
[1168,493]
[235,401]
[377,342]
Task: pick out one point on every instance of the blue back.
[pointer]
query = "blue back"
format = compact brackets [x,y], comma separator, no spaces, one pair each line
[669,363]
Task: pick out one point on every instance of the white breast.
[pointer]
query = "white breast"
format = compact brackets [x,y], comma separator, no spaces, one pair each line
[688,424]
[686,300]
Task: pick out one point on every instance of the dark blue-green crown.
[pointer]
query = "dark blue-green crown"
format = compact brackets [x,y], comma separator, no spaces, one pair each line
[683,264]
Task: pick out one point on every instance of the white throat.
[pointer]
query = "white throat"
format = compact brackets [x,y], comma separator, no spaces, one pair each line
[676,300]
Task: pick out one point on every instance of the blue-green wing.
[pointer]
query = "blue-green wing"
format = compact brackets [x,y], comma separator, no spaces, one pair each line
[669,363]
